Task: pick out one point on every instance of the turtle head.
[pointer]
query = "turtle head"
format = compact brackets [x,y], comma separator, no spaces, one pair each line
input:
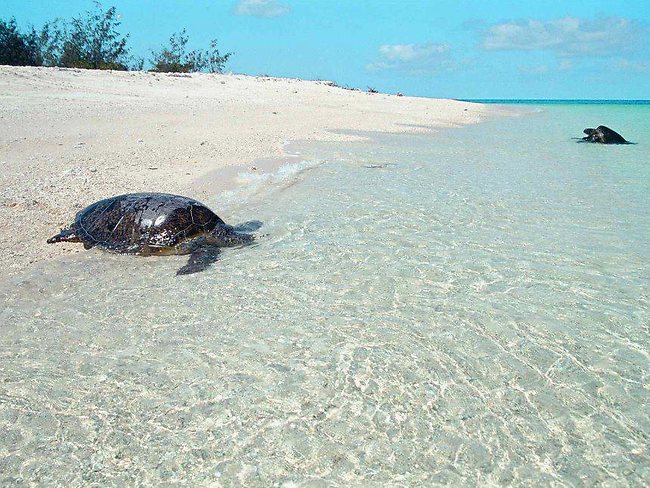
[66,235]
[226,236]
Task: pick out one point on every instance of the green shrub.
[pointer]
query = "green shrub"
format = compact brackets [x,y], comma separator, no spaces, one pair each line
[18,49]
[174,58]
[49,42]
[94,42]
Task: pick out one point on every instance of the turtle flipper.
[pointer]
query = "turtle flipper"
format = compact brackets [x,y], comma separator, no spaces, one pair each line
[199,260]
[66,235]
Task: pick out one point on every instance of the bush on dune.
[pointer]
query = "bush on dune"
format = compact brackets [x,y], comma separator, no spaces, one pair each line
[18,49]
[34,48]
[173,58]
[90,41]
[94,42]
[50,41]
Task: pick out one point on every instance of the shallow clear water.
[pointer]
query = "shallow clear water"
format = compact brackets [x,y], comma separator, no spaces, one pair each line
[474,312]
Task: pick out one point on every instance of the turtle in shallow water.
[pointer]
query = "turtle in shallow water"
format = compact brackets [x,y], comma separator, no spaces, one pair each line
[603,135]
[154,223]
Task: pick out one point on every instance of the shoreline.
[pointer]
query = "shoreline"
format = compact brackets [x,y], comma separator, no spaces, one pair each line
[73,136]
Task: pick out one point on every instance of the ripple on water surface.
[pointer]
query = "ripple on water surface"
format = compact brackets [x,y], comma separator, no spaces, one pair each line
[455,313]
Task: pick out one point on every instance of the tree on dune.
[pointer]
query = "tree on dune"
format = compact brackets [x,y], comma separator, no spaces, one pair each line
[94,42]
[174,58]
[16,48]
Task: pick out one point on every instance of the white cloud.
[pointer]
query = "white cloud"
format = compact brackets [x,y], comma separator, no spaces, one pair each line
[632,66]
[568,36]
[534,70]
[411,52]
[563,64]
[413,58]
[261,8]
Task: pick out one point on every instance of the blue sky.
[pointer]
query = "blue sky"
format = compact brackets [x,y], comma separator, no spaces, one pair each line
[436,48]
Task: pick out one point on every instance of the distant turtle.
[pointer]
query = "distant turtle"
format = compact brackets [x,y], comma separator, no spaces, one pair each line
[603,135]
[154,224]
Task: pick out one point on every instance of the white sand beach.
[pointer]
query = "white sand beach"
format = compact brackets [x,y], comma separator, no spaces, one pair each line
[70,137]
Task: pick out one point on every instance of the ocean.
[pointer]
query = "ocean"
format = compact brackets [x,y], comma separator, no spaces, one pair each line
[467,307]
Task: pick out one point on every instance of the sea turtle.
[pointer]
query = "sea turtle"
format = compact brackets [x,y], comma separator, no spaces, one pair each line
[603,135]
[154,224]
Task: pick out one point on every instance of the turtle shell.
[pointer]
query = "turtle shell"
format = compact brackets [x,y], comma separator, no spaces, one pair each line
[144,223]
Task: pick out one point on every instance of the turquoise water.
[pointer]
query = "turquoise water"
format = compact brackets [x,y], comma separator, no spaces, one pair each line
[524,101]
[468,307]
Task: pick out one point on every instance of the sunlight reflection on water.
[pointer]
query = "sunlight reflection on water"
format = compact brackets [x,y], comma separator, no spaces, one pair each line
[475,311]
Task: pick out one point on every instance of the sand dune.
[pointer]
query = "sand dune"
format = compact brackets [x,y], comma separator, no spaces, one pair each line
[70,137]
